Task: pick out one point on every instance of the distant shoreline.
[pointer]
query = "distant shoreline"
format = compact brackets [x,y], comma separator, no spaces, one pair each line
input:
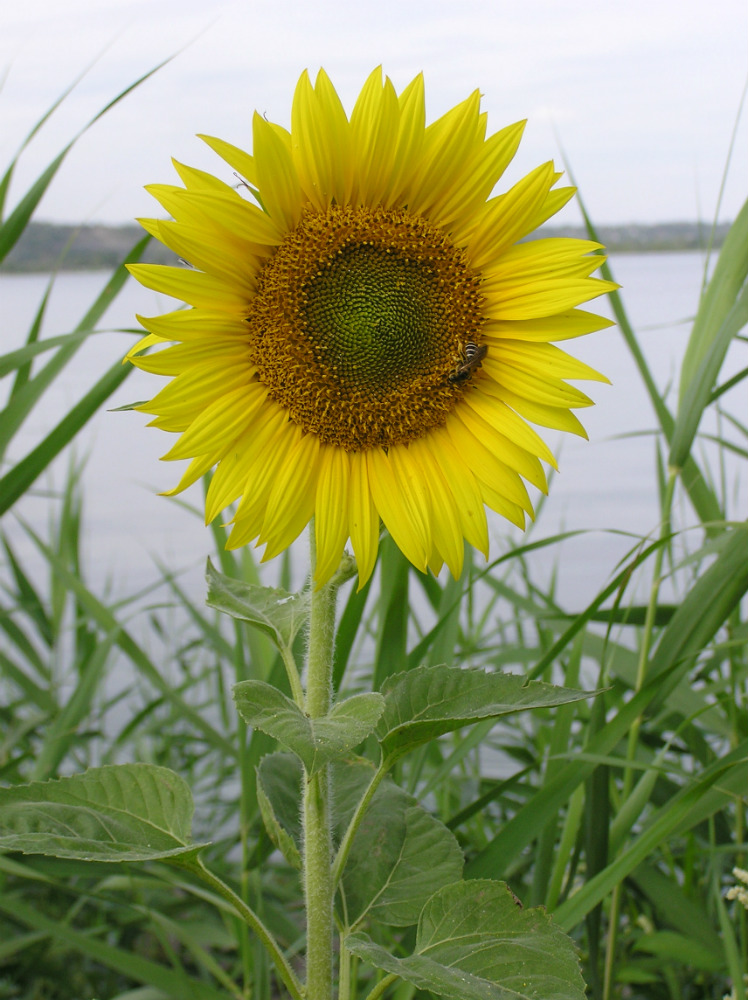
[48,246]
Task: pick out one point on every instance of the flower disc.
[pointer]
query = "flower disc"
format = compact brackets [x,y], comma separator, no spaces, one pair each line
[359,344]
[369,338]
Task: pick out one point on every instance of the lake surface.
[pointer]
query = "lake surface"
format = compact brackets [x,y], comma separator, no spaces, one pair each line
[605,485]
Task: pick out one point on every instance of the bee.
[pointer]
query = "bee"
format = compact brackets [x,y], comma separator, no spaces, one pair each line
[474,355]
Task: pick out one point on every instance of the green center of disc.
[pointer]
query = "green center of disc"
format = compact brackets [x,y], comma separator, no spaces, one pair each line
[376,317]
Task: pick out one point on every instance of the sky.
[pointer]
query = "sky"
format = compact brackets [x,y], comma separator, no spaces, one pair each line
[641,97]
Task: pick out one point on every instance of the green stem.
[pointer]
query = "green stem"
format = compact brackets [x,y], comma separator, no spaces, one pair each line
[285,971]
[317,862]
[294,681]
[382,986]
[633,739]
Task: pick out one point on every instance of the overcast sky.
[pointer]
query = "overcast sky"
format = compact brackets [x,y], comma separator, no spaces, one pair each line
[642,95]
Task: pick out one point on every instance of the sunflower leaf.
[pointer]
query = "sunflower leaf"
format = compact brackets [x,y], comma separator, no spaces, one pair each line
[123,812]
[474,942]
[278,796]
[314,741]
[272,611]
[427,702]
[400,855]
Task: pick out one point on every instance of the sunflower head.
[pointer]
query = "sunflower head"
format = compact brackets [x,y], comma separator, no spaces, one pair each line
[367,337]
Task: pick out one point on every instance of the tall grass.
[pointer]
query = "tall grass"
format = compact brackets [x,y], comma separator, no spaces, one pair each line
[623,816]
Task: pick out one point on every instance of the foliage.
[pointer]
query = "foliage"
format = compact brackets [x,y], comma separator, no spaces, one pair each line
[621,815]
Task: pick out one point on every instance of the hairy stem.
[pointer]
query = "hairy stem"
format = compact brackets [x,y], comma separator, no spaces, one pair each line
[317,861]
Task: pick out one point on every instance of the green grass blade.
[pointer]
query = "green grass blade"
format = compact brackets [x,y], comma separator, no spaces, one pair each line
[61,735]
[28,596]
[674,906]
[15,224]
[15,483]
[706,608]
[7,176]
[18,674]
[105,620]
[732,950]
[717,300]
[702,497]
[173,982]
[394,607]
[723,312]
[664,822]
[347,631]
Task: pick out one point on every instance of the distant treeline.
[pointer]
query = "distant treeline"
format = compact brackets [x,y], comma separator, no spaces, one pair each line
[47,247]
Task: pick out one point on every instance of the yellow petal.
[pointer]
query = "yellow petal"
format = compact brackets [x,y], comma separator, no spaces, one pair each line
[449,141]
[235,157]
[276,175]
[498,502]
[331,511]
[195,470]
[511,454]
[227,258]
[546,360]
[375,122]
[464,488]
[557,417]
[535,386]
[486,467]
[507,423]
[410,141]
[279,438]
[504,219]
[291,502]
[194,324]
[320,137]
[194,287]
[180,357]
[409,536]
[220,424]
[199,180]
[477,178]
[363,520]
[562,326]
[445,518]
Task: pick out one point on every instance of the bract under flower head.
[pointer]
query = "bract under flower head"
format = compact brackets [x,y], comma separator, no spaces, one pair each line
[367,338]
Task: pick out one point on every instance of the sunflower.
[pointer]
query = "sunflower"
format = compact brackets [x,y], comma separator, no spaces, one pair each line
[367,338]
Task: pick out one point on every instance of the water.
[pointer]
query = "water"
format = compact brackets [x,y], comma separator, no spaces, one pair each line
[606,483]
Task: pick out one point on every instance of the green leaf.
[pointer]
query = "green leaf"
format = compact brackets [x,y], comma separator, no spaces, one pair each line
[124,812]
[315,741]
[275,612]
[400,855]
[475,943]
[427,702]
[279,797]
